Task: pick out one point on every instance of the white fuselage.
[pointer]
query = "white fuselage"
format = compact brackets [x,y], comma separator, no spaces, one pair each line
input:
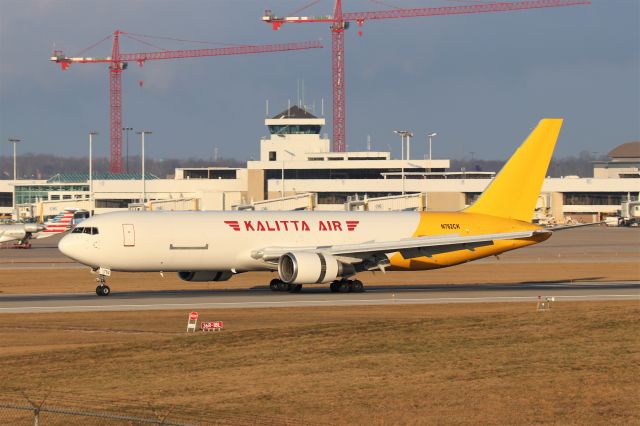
[209,241]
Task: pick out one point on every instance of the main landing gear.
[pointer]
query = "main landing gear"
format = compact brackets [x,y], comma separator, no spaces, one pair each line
[279,285]
[102,289]
[338,286]
[346,286]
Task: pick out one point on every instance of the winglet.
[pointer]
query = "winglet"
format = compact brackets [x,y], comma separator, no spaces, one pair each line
[514,191]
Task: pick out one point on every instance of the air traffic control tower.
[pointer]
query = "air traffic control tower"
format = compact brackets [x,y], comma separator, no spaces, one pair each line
[296,157]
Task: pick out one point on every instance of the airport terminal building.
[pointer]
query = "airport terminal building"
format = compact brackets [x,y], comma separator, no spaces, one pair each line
[297,170]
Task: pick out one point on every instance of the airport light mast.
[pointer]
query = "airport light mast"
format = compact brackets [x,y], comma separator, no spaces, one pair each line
[118,62]
[15,142]
[340,21]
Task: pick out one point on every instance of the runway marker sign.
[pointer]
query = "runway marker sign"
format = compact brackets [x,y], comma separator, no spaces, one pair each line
[192,322]
[211,326]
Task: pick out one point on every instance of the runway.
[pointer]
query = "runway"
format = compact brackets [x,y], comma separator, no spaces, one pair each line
[262,298]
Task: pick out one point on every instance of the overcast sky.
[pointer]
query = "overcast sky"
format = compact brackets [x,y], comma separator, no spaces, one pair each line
[480,81]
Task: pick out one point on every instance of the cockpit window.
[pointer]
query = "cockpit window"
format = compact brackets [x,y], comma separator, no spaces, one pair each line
[85,230]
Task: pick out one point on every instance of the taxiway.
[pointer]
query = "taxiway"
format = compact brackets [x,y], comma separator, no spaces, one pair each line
[259,298]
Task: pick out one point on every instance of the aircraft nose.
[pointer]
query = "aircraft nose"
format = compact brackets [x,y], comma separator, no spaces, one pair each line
[68,245]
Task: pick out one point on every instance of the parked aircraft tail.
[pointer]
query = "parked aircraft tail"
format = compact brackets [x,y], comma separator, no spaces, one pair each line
[513,193]
[62,222]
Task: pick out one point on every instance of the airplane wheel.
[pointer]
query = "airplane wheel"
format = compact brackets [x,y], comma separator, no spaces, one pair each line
[296,288]
[357,286]
[273,285]
[282,286]
[345,287]
[334,286]
[104,290]
[98,290]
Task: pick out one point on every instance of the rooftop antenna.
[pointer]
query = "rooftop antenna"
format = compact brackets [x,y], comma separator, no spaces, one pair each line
[267,108]
[298,88]
[369,143]
[288,107]
[322,107]
[215,154]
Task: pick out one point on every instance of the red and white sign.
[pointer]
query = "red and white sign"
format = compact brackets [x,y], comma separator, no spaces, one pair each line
[193,320]
[211,326]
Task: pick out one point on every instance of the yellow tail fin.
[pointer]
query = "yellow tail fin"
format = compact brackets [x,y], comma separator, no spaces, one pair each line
[514,191]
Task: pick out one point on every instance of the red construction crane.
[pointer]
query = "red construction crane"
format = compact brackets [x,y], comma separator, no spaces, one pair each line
[340,22]
[118,62]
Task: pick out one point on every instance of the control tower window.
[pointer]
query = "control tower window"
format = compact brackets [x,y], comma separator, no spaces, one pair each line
[272,156]
[294,129]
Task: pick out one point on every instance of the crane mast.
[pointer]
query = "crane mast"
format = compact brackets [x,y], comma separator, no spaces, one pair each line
[118,62]
[339,22]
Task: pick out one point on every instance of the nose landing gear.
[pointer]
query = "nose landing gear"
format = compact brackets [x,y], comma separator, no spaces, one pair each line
[102,289]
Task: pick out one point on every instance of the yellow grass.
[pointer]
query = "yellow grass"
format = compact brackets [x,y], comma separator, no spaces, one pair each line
[480,364]
[22,281]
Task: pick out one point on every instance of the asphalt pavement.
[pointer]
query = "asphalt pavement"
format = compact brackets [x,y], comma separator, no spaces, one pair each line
[260,298]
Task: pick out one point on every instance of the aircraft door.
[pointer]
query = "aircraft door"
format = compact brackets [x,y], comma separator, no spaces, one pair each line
[129,235]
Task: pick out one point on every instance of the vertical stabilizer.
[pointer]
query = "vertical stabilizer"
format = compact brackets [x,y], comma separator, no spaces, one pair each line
[514,191]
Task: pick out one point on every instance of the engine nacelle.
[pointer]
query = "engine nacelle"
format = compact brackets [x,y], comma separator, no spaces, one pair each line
[310,268]
[32,227]
[204,276]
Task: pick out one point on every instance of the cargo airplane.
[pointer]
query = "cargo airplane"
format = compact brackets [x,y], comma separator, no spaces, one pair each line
[320,247]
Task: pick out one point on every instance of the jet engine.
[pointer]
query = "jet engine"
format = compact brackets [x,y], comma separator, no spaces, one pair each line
[204,276]
[310,268]
[32,227]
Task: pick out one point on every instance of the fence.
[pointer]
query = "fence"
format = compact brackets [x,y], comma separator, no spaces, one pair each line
[44,415]
[58,409]
[304,201]
[413,201]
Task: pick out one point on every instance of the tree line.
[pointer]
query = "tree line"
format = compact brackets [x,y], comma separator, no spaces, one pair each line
[44,166]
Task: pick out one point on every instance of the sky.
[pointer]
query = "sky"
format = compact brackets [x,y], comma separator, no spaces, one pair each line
[480,81]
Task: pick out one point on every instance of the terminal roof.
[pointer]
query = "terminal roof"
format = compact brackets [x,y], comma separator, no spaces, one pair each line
[84,177]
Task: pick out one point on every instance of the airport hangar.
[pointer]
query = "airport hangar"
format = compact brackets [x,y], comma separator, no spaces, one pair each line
[297,170]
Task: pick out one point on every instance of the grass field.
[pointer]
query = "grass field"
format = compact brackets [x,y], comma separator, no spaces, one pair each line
[21,281]
[416,364]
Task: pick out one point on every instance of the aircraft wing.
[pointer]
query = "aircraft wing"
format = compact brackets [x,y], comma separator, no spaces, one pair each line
[409,247]
[557,228]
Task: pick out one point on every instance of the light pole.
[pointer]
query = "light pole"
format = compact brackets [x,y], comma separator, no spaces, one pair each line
[144,183]
[127,129]
[408,135]
[91,202]
[14,141]
[430,136]
[401,133]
